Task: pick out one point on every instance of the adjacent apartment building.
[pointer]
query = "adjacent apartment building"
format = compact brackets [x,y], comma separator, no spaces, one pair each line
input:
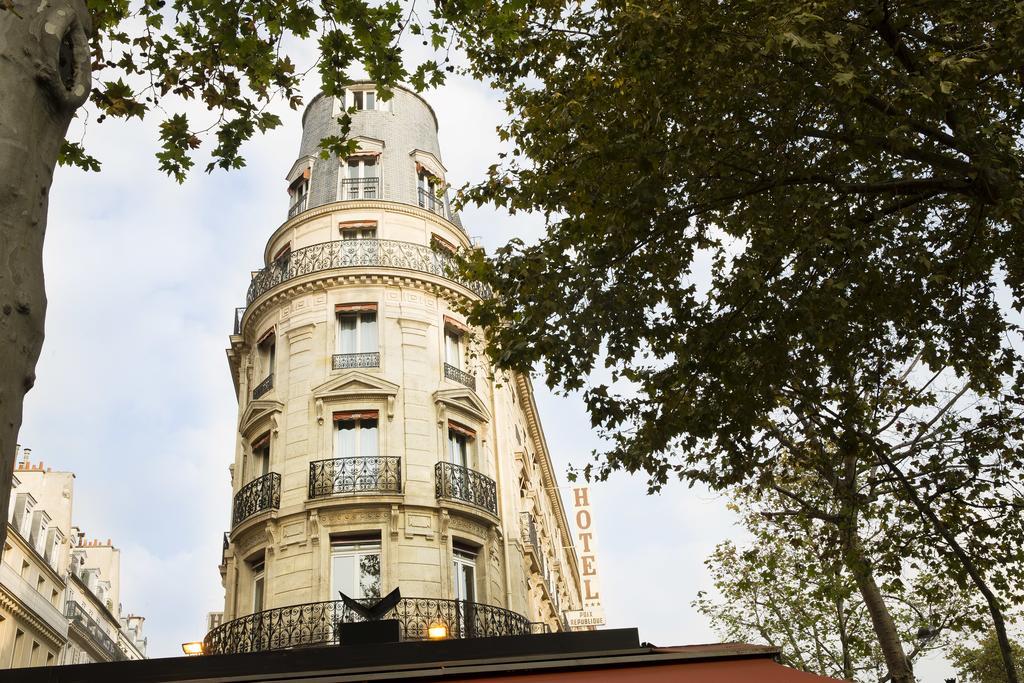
[377,449]
[59,593]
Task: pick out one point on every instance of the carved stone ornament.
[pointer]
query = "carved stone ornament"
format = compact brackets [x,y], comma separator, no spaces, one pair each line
[445,522]
[394,521]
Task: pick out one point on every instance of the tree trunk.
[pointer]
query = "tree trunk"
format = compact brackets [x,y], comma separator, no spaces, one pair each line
[44,78]
[856,561]
[882,621]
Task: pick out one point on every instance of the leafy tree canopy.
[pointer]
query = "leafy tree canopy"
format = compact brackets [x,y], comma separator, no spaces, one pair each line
[982,662]
[786,588]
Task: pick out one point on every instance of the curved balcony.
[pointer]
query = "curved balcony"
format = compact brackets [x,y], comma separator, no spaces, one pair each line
[372,253]
[455,482]
[315,623]
[355,475]
[262,493]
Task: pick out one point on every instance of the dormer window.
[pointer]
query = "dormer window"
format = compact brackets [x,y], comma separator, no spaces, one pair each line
[428,185]
[298,194]
[365,99]
[360,178]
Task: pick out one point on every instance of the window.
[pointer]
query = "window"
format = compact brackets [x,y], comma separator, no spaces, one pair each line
[453,347]
[267,352]
[40,585]
[24,569]
[365,99]
[460,443]
[355,434]
[55,598]
[427,185]
[260,457]
[40,526]
[298,194]
[23,513]
[259,576]
[359,233]
[18,649]
[355,568]
[53,547]
[464,573]
[357,328]
[359,178]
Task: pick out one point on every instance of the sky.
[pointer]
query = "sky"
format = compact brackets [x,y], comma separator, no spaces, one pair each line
[134,395]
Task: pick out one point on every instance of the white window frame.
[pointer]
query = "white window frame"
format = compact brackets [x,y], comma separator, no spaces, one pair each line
[359,233]
[260,460]
[463,559]
[360,323]
[296,196]
[361,165]
[259,580]
[460,448]
[267,351]
[357,439]
[356,550]
[451,333]
[350,100]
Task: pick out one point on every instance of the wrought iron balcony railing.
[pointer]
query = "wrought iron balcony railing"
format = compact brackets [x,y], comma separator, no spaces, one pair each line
[239,312]
[460,376]
[315,623]
[263,387]
[456,482]
[262,493]
[298,207]
[342,361]
[360,188]
[431,202]
[372,474]
[325,256]
[77,615]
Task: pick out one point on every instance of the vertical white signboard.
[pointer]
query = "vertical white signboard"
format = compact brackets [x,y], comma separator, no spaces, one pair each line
[592,613]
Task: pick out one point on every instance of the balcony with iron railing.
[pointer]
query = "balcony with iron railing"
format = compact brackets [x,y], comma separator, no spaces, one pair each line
[78,616]
[431,202]
[369,474]
[365,253]
[345,361]
[298,207]
[359,188]
[455,482]
[316,623]
[461,376]
[259,495]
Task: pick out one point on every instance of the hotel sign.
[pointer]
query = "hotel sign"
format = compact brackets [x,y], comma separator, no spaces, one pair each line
[592,613]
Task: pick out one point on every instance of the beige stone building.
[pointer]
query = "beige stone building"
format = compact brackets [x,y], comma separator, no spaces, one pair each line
[59,596]
[376,449]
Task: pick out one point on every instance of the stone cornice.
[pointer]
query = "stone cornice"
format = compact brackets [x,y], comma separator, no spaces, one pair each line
[328,279]
[525,392]
[10,602]
[378,204]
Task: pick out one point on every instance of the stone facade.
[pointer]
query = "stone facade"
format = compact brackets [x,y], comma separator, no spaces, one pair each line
[449,476]
[59,594]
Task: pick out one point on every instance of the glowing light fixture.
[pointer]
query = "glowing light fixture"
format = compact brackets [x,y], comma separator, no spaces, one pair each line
[437,631]
[192,649]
